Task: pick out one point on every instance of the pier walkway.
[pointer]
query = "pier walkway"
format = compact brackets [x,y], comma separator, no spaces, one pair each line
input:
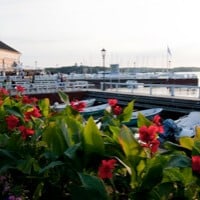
[172,98]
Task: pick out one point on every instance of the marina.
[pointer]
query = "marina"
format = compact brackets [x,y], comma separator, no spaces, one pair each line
[173,98]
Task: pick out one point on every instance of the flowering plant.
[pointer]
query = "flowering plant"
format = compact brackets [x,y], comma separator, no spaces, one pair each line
[60,155]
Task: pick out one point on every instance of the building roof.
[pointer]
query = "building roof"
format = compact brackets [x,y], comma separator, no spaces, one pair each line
[6,47]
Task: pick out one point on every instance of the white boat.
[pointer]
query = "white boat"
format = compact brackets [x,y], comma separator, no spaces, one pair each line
[132,84]
[183,127]
[148,113]
[187,124]
[59,107]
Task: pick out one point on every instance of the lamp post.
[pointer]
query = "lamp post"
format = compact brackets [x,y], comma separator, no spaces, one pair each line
[3,66]
[103,53]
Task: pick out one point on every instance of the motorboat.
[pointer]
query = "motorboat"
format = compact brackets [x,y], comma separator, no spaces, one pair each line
[94,110]
[185,126]
[148,113]
[88,102]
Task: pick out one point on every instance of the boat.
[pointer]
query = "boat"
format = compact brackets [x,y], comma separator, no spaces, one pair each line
[148,113]
[185,126]
[59,107]
[132,84]
[94,110]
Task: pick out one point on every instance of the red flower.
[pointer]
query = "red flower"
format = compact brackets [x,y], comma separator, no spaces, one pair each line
[26,132]
[117,110]
[154,146]
[158,121]
[196,163]
[12,121]
[3,92]
[78,105]
[147,134]
[106,168]
[112,102]
[19,88]
[1,102]
[148,137]
[33,113]
[29,100]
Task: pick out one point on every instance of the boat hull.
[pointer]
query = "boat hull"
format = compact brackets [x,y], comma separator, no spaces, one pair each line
[94,110]
[88,103]
[148,113]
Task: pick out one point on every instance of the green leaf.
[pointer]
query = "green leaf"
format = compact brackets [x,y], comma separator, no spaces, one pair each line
[173,175]
[64,97]
[14,111]
[94,187]
[93,142]
[51,166]
[163,191]
[26,165]
[54,138]
[3,140]
[152,177]
[44,106]
[142,120]
[186,142]
[134,154]
[129,144]
[74,130]
[127,112]
[174,146]
[38,191]
[197,135]
[179,161]
[71,151]
[196,148]
[7,154]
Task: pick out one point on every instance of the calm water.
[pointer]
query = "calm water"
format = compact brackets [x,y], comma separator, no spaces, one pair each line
[164,91]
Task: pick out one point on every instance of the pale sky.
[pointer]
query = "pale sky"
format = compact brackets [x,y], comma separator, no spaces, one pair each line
[64,32]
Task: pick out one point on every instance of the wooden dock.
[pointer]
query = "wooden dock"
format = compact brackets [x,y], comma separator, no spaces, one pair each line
[173,107]
[171,104]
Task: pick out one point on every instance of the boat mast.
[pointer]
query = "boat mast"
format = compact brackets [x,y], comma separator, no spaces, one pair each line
[169,55]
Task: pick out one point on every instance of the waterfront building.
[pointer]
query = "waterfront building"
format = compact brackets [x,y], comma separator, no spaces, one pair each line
[9,58]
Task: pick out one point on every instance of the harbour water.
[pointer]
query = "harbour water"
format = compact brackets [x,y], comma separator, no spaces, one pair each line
[179,92]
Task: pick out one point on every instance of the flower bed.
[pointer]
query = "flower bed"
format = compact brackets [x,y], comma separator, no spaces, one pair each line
[60,155]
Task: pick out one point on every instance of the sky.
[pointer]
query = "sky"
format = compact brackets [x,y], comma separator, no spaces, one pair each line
[55,33]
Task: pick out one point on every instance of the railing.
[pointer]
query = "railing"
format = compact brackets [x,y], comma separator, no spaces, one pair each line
[187,91]
[137,88]
[47,86]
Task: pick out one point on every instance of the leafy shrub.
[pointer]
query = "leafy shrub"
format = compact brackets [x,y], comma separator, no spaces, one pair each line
[60,155]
